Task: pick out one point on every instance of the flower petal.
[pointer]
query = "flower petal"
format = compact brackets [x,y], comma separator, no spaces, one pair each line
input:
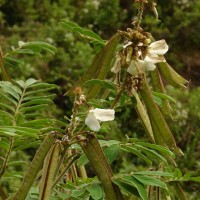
[117,65]
[20,43]
[150,66]
[104,114]
[159,47]
[92,122]
[136,66]
[154,58]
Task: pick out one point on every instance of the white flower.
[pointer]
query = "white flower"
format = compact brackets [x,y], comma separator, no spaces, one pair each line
[136,66]
[156,50]
[95,116]
[21,43]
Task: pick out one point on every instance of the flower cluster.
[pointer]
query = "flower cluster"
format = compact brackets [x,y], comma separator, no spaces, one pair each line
[144,57]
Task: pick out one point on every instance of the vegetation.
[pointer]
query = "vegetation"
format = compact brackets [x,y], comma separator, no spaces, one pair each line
[93,109]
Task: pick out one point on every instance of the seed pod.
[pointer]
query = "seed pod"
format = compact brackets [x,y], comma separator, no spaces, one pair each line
[143,116]
[34,167]
[97,158]
[172,76]
[99,67]
[158,86]
[161,131]
[49,175]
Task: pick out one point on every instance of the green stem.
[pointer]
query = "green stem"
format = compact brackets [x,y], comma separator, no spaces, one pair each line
[3,168]
[179,191]
[3,194]
[59,177]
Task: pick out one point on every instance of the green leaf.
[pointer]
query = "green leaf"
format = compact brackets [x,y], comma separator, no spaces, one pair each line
[158,148]
[157,100]
[21,83]
[196,179]
[164,96]
[83,160]
[36,102]
[126,187]
[32,108]
[108,142]
[39,91]
[12,61]
[9,98]
[5,118]
[112,152]
[77,193]
[95,191]
[30,82]
[135,183]
[8,88]
[27,145]
[150,153]
[38,97]
[38,46]
[22,131]
[137,153]
[8,133]
[148,180]
[42,85]
[4,145]
[37,123]
[7,107]
[83,32]
[24,51]
[154,173]
[14,163]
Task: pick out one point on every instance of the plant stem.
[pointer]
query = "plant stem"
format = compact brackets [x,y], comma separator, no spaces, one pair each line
[82,172]
[3,194]
[3,168]
[140,13]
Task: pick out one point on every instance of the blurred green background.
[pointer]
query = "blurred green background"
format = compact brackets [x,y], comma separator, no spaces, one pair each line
[38,20]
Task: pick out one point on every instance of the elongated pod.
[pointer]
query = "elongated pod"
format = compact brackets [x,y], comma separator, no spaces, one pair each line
[161,131]
[142,113]
[99,67]
[172,77]
[49,175]
[95,155]
[34,167]
[159,87]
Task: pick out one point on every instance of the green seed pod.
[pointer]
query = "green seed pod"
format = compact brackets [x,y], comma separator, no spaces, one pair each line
[49,173]
[34,167]
[159,87]
[172,76]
